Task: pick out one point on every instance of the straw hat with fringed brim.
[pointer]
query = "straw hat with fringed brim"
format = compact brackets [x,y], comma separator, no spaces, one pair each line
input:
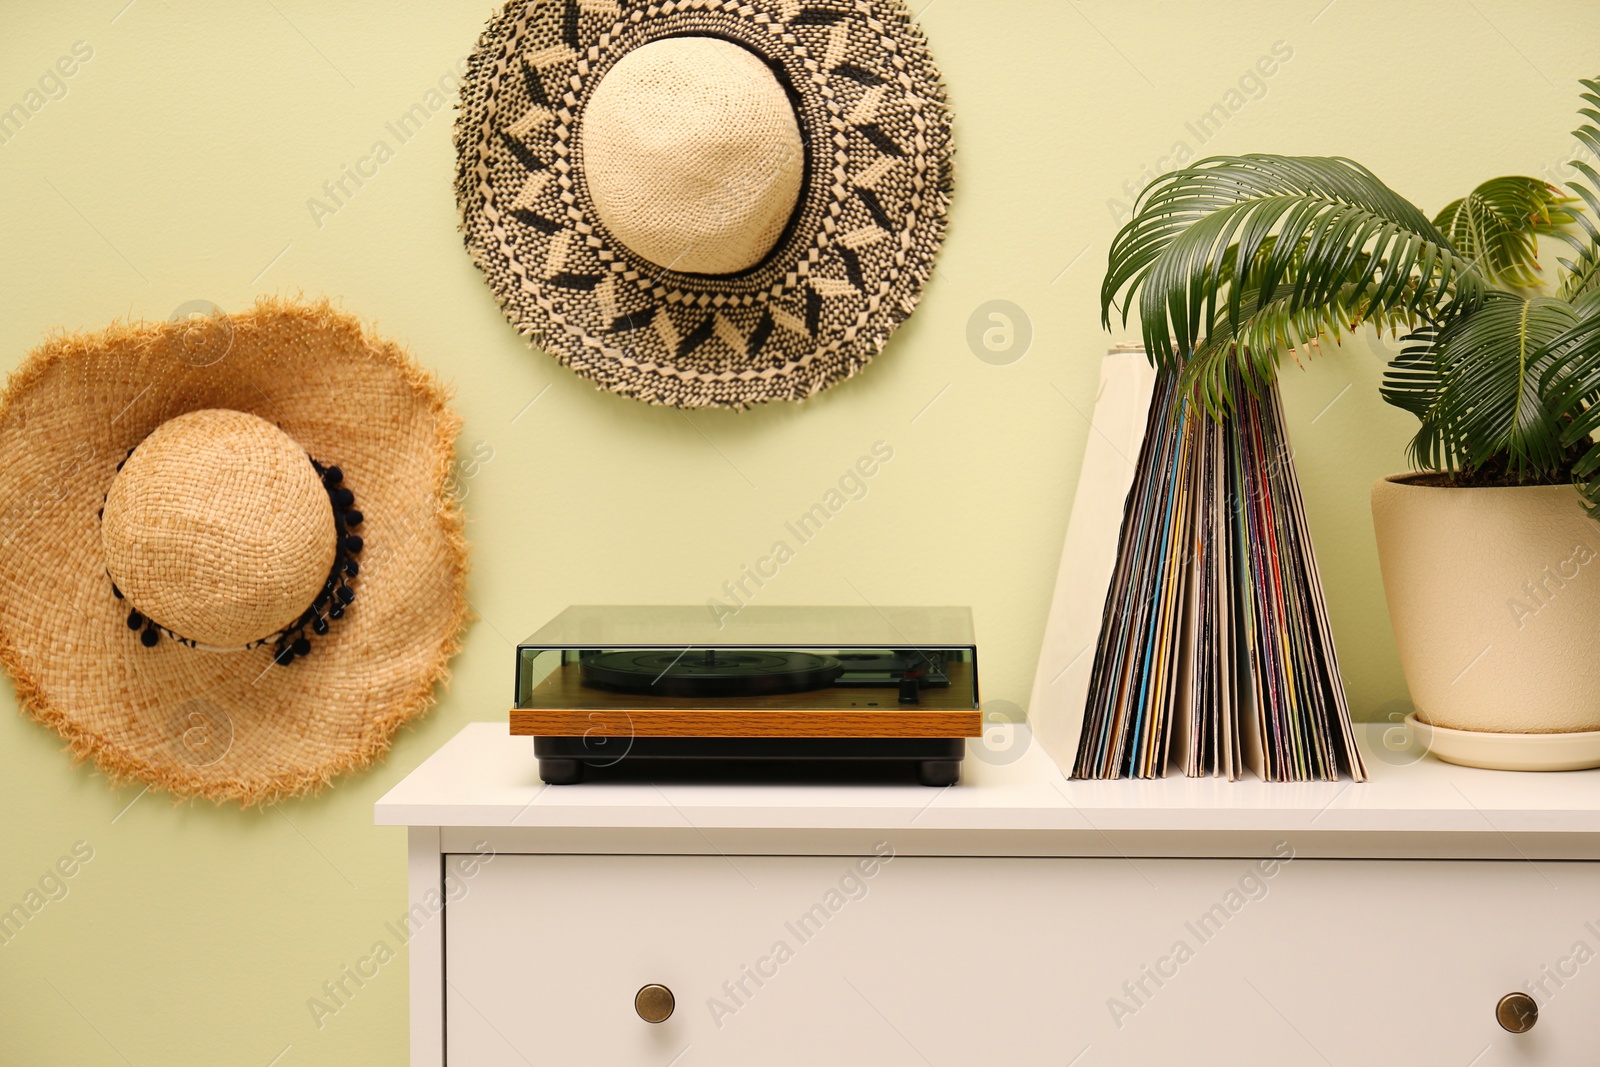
[232,564]
[705,202]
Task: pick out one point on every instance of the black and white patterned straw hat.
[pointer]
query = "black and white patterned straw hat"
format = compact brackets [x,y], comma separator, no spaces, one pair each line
[705,202]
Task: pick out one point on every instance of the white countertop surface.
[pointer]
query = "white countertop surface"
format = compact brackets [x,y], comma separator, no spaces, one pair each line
[484,778]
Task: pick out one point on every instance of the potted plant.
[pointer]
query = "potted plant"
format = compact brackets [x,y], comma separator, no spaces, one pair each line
[1490,565]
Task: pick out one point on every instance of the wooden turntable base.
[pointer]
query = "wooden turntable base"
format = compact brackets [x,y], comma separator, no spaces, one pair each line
[563,706]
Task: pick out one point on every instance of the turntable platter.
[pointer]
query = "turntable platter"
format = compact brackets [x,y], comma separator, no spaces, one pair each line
[709,673]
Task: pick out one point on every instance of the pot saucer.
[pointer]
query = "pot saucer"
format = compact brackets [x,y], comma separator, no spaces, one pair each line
[1508,752]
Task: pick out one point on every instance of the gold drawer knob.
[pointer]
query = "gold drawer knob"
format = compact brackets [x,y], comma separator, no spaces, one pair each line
[654,1003]
[1516,1013]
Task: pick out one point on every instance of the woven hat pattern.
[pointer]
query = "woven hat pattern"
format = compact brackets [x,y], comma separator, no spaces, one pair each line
[847,268]
[707,212]
[228,725]
[218,528]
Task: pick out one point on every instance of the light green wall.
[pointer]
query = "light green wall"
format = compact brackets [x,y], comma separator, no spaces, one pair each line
[179,165]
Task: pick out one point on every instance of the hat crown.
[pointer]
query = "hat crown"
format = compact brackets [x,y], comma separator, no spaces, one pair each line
[218,528]
[693,155]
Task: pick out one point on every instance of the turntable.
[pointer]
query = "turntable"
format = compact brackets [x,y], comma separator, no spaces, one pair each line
[601,686]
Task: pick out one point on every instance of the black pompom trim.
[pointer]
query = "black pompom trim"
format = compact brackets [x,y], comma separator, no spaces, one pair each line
[330,602]
[292,641]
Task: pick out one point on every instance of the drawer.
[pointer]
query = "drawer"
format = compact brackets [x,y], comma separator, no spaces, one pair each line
[915,961]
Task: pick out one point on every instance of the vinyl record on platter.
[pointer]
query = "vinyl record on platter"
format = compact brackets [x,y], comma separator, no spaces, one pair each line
[708,672]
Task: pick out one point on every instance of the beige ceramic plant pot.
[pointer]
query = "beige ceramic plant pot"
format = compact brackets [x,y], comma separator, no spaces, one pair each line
[1495,599]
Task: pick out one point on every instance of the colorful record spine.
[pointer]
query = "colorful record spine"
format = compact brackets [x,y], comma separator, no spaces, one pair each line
[1215,651]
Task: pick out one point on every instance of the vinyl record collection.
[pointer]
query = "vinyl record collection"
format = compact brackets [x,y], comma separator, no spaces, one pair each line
[1215,652]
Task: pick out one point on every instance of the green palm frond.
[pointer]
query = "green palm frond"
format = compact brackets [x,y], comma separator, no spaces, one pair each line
[1572,381]
[1303,224]
[1583,273]
[1498,226]
[1253,348]
[1237,260]
[1412,382]
[1480,386]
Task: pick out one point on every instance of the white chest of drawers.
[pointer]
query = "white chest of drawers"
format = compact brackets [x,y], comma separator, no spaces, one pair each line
[1016,919]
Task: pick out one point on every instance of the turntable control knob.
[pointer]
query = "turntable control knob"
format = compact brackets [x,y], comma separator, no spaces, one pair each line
[654,1003]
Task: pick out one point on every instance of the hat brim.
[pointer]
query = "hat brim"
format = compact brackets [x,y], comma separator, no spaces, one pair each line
[848,269]
[230,726]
